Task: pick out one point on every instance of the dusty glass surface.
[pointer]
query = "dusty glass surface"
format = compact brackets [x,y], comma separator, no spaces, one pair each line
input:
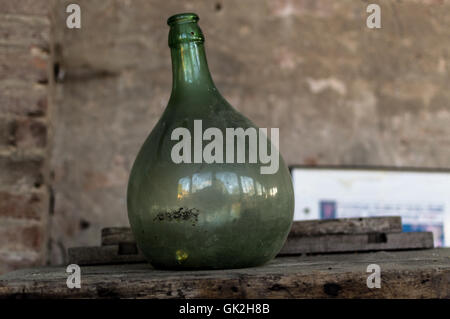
[199,215]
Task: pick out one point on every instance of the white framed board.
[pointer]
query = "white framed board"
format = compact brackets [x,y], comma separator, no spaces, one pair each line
[420,197]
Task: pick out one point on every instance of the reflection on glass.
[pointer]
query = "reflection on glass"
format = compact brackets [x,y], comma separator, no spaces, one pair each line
[200,181]
[225,182]
[184,185]
[247,185]
[230,181]
[258,188]
[273,191]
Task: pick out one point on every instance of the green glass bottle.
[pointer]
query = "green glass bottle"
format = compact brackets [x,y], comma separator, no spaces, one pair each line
[207,213]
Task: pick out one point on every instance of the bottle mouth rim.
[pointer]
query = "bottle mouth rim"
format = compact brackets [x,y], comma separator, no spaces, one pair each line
[182,18]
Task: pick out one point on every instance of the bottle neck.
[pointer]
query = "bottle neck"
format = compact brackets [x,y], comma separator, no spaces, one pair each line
[190,73]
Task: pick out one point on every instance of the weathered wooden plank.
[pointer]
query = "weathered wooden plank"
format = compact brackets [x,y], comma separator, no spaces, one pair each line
[358,242]
[123,250]
[391,224]
[404,274]
[117,235]
[305,237]
[111,254]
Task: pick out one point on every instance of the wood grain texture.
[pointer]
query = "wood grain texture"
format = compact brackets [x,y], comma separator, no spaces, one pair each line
[305,237]
[117,235]
[393,224]
[404,274]
[357,243]
[346,226]
[110,254]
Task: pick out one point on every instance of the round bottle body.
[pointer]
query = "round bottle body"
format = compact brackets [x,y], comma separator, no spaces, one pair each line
[200,215]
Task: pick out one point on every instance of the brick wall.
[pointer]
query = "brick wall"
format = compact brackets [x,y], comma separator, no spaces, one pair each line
[25,31]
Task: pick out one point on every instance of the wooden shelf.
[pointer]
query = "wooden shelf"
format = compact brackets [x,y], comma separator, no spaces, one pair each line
[404,274]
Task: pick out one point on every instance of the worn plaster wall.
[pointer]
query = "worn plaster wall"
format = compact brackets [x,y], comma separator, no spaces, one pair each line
[339,92]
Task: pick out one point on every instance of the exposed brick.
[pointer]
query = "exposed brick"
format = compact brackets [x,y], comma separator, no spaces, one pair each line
[11,260]
[23,98]
[25,69]
[31,205]
[23,132]
[18,171]
[28,7]
[30,133]
[20,30]
[24,63]
[6,129]
[20,235]
[32,236]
